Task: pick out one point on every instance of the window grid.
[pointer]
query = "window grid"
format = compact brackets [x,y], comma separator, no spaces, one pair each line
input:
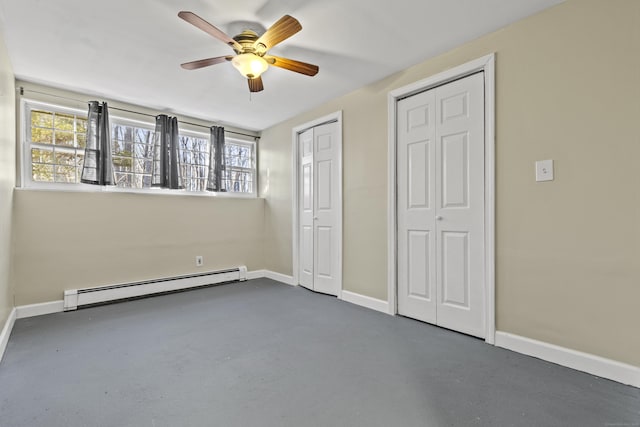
[132,155]
[194,156]
[239,170]
[57,142]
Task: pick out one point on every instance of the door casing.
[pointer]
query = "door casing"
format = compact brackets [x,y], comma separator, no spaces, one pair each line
[485,64]
[296,131]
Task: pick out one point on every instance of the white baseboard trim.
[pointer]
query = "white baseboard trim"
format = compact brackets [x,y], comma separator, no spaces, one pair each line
[6,332]
[278,277]
[256,274]
[585,362]
[365,301]
[31,310]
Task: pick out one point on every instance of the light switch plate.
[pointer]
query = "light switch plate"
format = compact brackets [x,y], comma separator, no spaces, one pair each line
[544,170]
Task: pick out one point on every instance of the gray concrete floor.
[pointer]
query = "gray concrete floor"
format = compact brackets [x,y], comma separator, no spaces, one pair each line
[261,353]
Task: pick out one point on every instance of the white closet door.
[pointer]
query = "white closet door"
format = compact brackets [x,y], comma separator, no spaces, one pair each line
[460,205]
[305,209]
[326,169]
[416,207]
[440,206]
[319,209]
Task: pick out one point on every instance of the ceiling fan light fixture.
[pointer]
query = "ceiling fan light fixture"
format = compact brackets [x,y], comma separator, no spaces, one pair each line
[250,65]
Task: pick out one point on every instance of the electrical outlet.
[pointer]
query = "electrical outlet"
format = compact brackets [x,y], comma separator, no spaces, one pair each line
[199,261]
[544,170]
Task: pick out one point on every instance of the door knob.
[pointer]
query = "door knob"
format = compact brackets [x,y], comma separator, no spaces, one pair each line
[438,217]
[315,218]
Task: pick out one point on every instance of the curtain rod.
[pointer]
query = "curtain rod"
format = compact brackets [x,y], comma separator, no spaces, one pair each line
[23,90]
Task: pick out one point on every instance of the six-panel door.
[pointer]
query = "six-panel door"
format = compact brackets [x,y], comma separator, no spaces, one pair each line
[441,205]
[319,212]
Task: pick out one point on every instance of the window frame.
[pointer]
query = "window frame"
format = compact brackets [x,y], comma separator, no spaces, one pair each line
[25,163]
[252,169]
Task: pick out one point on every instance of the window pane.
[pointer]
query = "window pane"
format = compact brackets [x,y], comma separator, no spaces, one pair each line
[64,138]
[42,119]
[138,165]
[81,125]
[42,173]
[140,181]
[65,158]
[239,181]
[122,164]
[82,140]
[143,136]
[42,136]
[65,174]
[41,156]
[122,148]
[118,133]
[123,179]
[143,150]
[64,121]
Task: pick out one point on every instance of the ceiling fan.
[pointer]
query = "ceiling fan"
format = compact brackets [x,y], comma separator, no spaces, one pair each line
[251,58]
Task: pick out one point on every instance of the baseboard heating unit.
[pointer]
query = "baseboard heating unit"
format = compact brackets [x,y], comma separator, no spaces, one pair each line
[78,298]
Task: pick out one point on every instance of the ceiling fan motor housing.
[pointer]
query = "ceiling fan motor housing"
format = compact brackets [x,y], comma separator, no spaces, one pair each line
[247,40]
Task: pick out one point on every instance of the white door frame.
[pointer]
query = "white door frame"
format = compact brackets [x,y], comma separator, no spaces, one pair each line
[487,65]
[333,117]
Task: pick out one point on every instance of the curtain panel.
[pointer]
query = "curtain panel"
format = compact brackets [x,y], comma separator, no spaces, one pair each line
[166,157]
[97,167]
[216,178]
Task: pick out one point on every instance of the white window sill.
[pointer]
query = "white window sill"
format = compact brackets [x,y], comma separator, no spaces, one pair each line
[88,188]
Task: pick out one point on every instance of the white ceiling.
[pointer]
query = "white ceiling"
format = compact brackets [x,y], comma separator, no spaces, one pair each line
[130,50]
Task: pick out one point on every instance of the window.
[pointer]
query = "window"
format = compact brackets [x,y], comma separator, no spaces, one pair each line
[55,138]
[56,142]
[239,172]
[132,155]
[194,156]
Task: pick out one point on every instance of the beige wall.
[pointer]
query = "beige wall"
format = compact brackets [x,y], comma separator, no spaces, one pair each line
[568,89]
[67,240]
[7,177]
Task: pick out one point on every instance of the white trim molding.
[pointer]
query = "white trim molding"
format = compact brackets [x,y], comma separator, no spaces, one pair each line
[278,277]
[6,332]
[31,310]
[585,362]
[365,301]
[256,274]
[485,64]
[333,117]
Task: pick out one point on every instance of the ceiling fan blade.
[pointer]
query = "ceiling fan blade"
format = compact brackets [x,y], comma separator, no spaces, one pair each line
[284,28]
[293,65]
[194,65]
[196,21]
[255,84]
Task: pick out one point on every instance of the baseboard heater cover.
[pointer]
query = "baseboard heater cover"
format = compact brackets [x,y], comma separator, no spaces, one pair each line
[75,298]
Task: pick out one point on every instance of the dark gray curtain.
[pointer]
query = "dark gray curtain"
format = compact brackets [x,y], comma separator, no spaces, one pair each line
[166,158]
[215,179]
[97,168]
